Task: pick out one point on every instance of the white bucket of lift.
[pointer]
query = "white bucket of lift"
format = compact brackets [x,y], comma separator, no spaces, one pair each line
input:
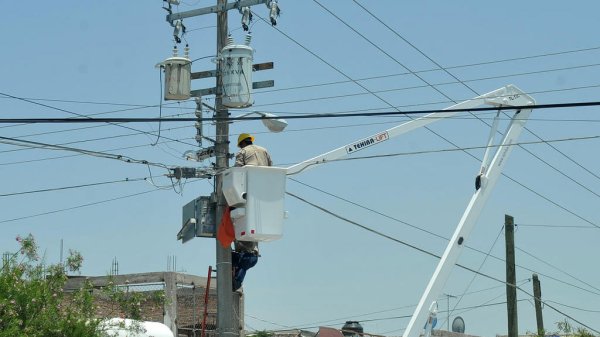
[258,193]
[178,79]
[236,69]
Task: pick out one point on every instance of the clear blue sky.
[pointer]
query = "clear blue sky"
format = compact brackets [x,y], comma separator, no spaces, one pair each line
[98,58]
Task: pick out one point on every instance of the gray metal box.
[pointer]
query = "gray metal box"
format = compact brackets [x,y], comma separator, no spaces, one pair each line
[198,219]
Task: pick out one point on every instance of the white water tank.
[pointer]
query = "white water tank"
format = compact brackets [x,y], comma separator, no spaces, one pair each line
[236,70]
[257,193]
[178,77]
[123,327]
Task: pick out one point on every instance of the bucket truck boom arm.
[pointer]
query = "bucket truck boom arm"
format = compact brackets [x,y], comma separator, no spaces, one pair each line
[505,96]
[488,176]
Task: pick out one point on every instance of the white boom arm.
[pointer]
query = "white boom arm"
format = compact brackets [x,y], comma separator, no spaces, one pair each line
[505,96]
[485,182]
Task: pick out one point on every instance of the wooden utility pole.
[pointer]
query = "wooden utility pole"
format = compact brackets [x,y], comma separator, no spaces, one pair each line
[511,279]
[537,294]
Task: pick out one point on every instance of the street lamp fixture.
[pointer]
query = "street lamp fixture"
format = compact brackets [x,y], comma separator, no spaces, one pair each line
[269,120]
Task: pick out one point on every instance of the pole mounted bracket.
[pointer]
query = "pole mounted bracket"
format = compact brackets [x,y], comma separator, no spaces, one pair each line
[214,9]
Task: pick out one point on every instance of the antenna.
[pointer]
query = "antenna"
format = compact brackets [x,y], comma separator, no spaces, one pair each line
[114,268]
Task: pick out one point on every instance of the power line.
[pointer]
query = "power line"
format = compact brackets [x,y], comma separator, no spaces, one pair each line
[464,149]
[305,327]
[572,307]
[487,254]
[30,144]
[126,180]
[75,155]
[550,200]
[144,106]
[87,140]
[152,106]
[77,207]
[556,268]
[181,140]
[70,112]
[461,149]
[336,69]
[437,235]
[559,311]
[464,84]
[428,253]
[414,87]
[333,320]
[554,226]
[471,89]
[443,94]
[85,205]
[388,237]
[307,116]
[456,78]
[478,79]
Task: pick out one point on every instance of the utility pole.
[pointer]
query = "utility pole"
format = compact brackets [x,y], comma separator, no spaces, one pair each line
[537,294]
[225,319]
[227,322]
[511,279]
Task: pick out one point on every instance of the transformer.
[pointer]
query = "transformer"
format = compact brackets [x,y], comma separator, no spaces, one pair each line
[178,80]
[236,70]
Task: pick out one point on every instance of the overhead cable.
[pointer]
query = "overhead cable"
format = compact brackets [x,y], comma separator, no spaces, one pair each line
[556,268]
[361,205]
[126,180]
[307,116]
[74,155]
[69,112]
[84,205]
[464,84]
[38,145]
[432,254]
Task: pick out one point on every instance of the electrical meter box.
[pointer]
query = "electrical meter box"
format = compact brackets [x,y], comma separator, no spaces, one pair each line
[198,219]
[257,194]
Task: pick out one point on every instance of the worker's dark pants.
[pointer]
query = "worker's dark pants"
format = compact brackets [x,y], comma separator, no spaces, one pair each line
[241,262]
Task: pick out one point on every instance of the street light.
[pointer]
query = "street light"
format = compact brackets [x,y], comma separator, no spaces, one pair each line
[270,120]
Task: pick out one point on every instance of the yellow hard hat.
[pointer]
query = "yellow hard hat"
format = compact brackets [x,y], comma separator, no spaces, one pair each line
[244,136]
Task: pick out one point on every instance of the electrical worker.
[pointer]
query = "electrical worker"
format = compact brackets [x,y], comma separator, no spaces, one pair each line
[245,254]
[250,154]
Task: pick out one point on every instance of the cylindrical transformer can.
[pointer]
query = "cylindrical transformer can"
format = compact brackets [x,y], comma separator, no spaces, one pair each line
[178,80]
[236,70]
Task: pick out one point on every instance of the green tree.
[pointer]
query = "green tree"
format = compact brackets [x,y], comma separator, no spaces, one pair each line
[263,333]
[33,304]
[566,328]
